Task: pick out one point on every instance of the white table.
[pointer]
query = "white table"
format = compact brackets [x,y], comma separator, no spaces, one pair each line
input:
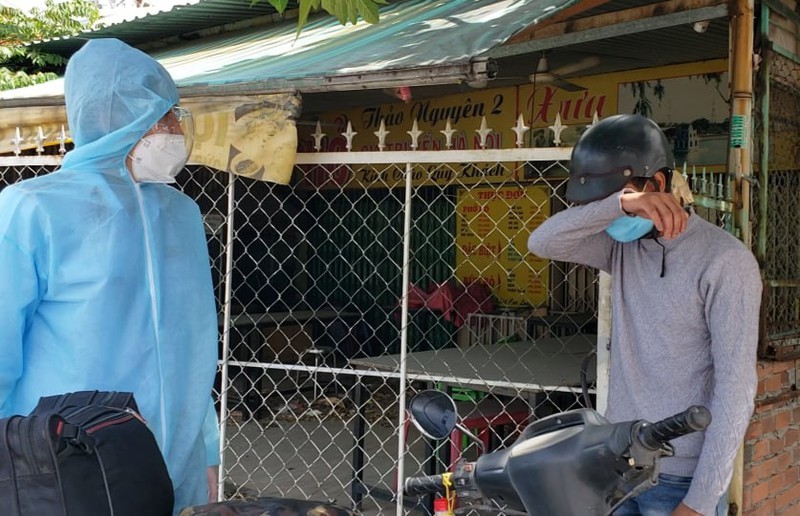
[551,364]
[256,345]
[544,365]
[277,318]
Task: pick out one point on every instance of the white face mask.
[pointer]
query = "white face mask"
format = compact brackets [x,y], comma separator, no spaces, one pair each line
[158,158]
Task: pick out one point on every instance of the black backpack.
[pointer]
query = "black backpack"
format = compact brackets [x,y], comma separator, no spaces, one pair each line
[82,454]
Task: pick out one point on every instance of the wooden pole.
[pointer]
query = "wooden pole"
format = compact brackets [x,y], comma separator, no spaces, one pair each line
[740,167]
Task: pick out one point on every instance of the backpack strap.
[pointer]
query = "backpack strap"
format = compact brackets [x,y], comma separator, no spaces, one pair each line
[121,400]
[114,399]
[7,463]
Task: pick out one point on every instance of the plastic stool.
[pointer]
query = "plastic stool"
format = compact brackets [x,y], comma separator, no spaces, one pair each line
[486,414]
[319,355]
[481,418]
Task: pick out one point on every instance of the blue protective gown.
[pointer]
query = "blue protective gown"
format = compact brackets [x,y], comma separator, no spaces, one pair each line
[104,283]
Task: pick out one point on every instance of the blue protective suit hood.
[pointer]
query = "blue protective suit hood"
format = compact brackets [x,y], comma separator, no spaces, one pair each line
[114,94]
[105,283]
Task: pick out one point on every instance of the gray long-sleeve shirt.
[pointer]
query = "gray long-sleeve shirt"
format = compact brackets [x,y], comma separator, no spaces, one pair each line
[688,338]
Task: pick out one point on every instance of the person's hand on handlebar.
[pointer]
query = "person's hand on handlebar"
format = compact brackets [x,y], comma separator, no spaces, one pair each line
[663,209]
[684,510]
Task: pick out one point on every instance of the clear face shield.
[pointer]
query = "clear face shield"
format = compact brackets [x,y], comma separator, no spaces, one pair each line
[163,151]
[177,120]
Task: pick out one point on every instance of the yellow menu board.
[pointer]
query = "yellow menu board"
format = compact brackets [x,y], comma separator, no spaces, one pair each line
[492,229]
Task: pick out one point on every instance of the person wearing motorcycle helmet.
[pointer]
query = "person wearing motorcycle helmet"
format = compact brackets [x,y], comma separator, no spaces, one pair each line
[627,151]
[685,305]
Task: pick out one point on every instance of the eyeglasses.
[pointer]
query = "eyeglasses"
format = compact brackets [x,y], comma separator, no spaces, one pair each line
[182,114]
[177,120]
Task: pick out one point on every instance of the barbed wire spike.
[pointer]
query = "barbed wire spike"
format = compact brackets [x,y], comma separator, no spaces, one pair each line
[348,135]
[318,135]
[17,140]
[381,133]
[557,129]
[39,140]
[483,131]
[415,133]
[520,129]
[62,141]
[448,133]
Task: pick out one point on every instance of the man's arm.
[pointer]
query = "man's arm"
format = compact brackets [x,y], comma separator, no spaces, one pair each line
[732,314]
[578,235]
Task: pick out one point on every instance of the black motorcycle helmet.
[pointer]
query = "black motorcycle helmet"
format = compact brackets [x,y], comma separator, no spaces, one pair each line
[612,152]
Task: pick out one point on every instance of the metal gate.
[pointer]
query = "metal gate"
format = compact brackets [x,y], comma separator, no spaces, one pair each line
[777,203]
[363,265]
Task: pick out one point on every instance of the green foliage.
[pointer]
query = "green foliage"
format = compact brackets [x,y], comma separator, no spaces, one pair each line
[344,10]
[21,66]
[10,80]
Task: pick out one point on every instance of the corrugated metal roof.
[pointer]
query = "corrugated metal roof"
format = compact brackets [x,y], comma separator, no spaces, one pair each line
[413,36]
[142,25]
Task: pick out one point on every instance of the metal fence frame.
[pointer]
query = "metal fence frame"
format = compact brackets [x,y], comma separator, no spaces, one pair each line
[777,192]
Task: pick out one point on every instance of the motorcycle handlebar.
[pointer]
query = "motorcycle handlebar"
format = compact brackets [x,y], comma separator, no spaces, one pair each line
[693,419]
[424,485]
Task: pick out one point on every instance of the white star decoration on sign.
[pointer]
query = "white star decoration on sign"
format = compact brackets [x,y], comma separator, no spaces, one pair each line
[39,141]
[448,133]
[415,134]
[318,136]
[381,133]
[17,141]
[557,129]
[483,132]
[62,141]
[348,135]
[520,129]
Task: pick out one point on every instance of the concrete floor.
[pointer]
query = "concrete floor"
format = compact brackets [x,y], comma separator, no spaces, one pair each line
[312,460]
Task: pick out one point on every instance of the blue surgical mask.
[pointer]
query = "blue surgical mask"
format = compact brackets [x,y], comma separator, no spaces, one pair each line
[627,228]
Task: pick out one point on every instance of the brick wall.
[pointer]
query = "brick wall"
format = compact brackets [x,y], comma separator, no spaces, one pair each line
[772,443]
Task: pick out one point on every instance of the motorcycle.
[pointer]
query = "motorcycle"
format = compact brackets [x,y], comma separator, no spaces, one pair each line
[568,464]
[573,463]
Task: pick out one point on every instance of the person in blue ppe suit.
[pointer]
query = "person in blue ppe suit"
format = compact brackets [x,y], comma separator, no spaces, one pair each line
[104,272]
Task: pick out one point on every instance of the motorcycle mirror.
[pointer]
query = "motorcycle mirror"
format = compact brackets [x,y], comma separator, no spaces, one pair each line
[433,413]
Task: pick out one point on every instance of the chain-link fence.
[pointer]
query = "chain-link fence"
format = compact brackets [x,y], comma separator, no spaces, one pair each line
[311,288]
[317,294]
[777,210]
[315,290]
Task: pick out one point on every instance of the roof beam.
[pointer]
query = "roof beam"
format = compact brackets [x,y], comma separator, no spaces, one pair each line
[618,23]
[627,15]
[477,69]
[569,12]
